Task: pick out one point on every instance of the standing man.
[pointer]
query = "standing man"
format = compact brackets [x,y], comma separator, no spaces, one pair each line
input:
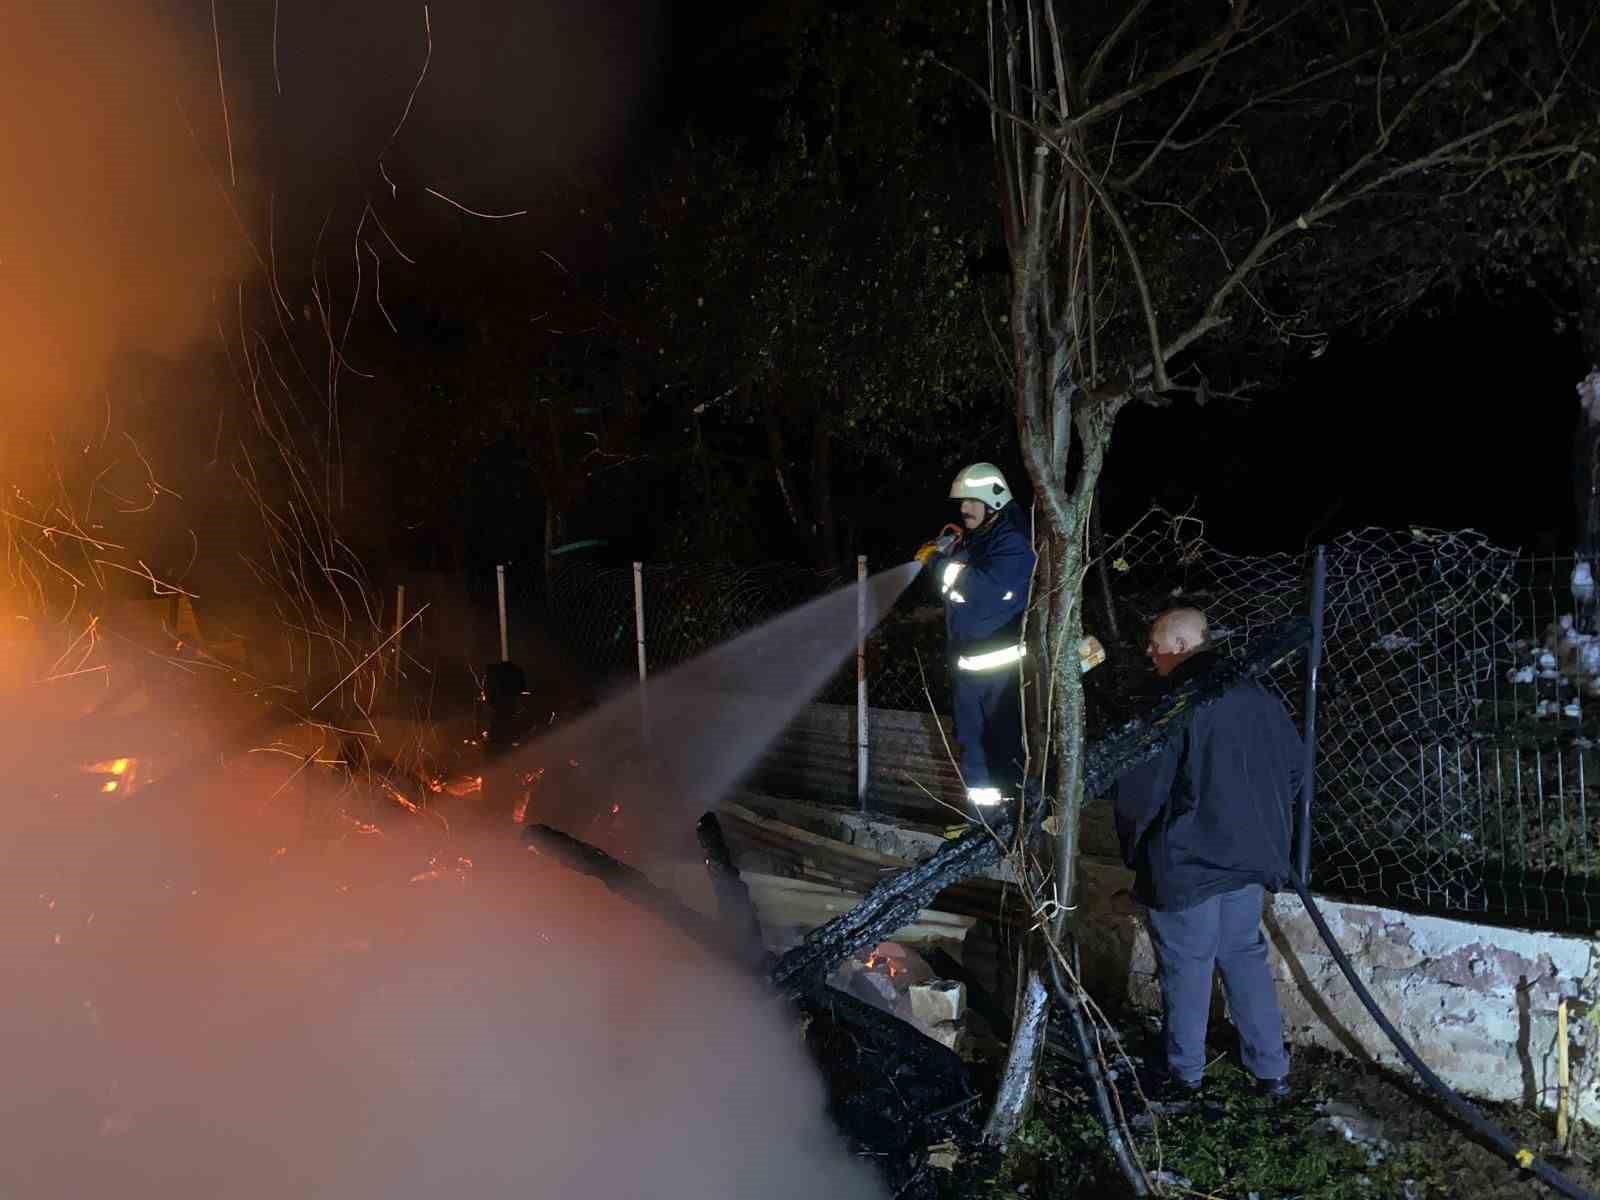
[984,577]
[1205,828]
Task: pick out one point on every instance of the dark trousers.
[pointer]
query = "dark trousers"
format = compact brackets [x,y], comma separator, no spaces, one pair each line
[1224,933]
[988,725]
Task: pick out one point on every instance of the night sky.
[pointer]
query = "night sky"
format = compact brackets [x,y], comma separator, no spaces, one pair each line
[1465,419]
[1461,417]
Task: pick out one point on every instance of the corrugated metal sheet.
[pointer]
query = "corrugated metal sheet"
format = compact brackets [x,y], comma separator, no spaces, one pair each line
[909,767]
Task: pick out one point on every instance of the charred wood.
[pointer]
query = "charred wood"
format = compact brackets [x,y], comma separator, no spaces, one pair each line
[887,1081]
[629,883]
[896,901]
[741,926]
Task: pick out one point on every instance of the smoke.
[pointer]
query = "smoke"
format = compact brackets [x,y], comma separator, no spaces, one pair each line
[149,163]
[113,234]
[206,995]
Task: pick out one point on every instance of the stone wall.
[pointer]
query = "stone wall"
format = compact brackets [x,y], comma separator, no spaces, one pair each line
[1478,1002]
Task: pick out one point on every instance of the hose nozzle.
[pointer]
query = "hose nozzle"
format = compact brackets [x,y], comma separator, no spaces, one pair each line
[943,544]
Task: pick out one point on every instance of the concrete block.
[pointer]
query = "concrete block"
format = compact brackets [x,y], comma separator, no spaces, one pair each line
[873,987]
[938,1000]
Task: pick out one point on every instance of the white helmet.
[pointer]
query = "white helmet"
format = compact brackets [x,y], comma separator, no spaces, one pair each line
[982,481]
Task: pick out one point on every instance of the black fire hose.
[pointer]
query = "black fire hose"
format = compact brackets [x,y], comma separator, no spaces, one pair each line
[1489,1132]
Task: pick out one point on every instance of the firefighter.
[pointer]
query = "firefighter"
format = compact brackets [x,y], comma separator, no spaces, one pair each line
[983,572]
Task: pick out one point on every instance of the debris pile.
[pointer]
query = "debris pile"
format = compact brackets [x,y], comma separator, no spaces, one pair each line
[899,981]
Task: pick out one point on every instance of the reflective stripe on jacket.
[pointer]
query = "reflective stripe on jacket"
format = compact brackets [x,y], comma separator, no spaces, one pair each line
[985,584]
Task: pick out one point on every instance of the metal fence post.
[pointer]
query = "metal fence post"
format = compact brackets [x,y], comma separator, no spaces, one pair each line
[500,588]
[1319,585]
[638,633]
[638,614]
[861,682]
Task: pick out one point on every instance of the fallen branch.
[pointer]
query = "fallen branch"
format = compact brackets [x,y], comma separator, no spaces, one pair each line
[631,884]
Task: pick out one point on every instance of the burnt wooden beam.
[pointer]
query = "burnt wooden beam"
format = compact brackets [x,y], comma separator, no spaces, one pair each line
[740,924]
[896,901]
[630,884]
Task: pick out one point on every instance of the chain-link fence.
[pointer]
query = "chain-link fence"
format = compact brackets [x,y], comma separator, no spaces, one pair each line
[1457,717]
[674,611]
[685,609]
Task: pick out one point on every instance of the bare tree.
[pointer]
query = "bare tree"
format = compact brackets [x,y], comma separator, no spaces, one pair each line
[1187,205]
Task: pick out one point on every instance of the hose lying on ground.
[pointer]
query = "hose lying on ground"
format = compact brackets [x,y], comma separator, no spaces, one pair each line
[1491,1133]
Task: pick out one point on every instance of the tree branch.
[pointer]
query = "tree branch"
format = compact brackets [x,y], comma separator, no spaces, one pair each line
[1029,268]
[1317,76]
[1146,303]
[1127,181]
[1443,155]
[1175,70]
[1091,73]
[1385,135]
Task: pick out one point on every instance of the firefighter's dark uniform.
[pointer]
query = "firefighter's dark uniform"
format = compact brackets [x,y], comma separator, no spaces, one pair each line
[985,583]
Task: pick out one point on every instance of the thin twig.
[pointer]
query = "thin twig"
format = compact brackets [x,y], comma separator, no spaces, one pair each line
[472,212]
[222,91]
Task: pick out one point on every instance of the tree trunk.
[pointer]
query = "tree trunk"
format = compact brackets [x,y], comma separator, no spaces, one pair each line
[778,453]
[1014,1099]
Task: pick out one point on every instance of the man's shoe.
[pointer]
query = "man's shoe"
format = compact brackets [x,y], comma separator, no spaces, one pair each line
[1276,1090]
[1174,1095]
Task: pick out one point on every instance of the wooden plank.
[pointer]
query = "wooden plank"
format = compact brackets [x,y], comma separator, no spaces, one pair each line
[796,903]
[830,860]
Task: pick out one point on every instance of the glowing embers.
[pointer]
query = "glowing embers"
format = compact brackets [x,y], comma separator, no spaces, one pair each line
[438,868]
[117,775]
[898,980]
[527,781]
[890,964]
[458,786]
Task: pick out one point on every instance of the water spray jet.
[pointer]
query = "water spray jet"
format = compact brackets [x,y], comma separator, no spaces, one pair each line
[637,794]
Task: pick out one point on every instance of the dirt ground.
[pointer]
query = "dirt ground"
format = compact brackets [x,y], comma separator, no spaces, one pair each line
[1407,1145]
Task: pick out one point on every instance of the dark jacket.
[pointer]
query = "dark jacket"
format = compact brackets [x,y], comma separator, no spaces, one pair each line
[983,608]
[1212,812]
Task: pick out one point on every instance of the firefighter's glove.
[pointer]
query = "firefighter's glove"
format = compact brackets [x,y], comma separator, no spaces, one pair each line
[939,546]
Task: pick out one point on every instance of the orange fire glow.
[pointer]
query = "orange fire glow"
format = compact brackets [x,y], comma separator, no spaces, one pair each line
[464,785]
[120,771]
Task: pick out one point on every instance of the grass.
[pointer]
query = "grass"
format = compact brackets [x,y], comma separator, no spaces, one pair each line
[1242,1148]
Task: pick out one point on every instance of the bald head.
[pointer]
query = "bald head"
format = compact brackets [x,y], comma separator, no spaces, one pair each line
[1176,635]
